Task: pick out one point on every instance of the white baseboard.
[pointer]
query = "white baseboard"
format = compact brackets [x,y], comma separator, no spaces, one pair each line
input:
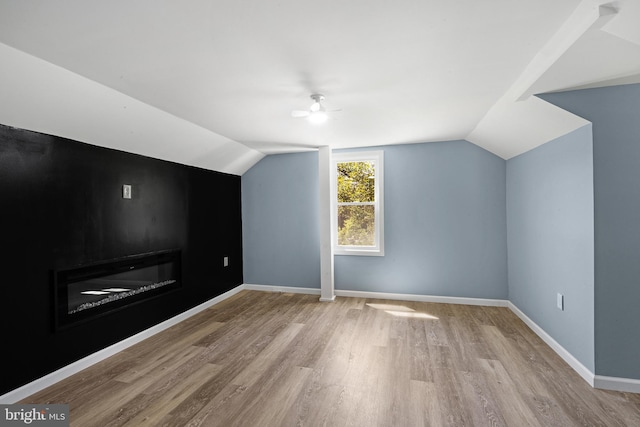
[381,295]
[596,381]
[617,384]
[423,298]
[75,367]
[575,364]
[284,289]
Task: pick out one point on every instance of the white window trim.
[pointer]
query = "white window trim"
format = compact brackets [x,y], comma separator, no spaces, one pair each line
[359,156]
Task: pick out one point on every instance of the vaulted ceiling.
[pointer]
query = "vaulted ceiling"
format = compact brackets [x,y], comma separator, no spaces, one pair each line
[212,82]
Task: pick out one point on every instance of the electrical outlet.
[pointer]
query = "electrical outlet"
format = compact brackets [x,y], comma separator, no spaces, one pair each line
[560,302]
[126,191]
[225,261]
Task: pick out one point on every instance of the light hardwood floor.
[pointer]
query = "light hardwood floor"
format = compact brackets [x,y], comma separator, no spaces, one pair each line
[274,359]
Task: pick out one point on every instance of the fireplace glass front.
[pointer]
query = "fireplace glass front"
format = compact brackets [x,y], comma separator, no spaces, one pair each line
[92,290]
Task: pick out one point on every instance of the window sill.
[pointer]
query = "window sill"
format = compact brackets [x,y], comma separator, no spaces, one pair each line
[359,252]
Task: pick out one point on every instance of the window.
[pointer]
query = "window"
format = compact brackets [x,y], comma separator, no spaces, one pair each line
[358,203]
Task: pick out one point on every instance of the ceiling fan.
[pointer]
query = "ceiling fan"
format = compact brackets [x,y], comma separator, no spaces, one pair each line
[316,113]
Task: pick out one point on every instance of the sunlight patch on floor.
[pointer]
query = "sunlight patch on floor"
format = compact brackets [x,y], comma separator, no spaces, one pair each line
[401,311]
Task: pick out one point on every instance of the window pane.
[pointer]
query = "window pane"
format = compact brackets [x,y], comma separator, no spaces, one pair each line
[356,182]
[356,225]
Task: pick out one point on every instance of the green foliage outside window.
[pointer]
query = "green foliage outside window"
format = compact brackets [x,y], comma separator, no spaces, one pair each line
[356,198]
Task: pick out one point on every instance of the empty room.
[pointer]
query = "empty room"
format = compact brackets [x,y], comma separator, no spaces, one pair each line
[306,213]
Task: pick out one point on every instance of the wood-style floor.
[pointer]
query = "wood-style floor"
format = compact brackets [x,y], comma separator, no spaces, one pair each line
[273,359]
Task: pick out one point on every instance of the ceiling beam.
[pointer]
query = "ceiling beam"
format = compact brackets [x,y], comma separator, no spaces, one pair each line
[588,15]
[518,122]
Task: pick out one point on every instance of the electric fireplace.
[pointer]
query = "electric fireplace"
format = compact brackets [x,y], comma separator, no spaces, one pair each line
[88,291]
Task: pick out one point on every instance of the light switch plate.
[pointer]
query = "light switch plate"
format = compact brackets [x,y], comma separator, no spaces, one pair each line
[225,261]
[126,191]
[560,302]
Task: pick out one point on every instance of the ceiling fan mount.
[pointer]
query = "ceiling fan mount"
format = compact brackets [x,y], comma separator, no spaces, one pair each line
[316,113]
[317,97]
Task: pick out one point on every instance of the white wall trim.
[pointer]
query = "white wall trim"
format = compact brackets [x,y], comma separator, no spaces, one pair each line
[574,363]
[383,295]
[597,381]
[284,289]
[75,367]
[617,384]
[326,224]
[423,298]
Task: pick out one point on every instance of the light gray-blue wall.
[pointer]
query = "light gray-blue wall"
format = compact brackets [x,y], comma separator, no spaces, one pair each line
[615,114]
[280,223]
[551,240]
[444,206]
[445,224]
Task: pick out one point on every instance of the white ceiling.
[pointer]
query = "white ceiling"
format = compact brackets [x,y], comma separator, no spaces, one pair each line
[222,76]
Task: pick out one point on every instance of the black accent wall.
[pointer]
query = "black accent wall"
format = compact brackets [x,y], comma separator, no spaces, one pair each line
[61,206]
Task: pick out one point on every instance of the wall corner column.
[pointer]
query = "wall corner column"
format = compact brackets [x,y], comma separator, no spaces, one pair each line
[326,219]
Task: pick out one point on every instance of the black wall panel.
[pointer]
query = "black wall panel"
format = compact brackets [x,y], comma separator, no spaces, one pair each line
[61,206]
